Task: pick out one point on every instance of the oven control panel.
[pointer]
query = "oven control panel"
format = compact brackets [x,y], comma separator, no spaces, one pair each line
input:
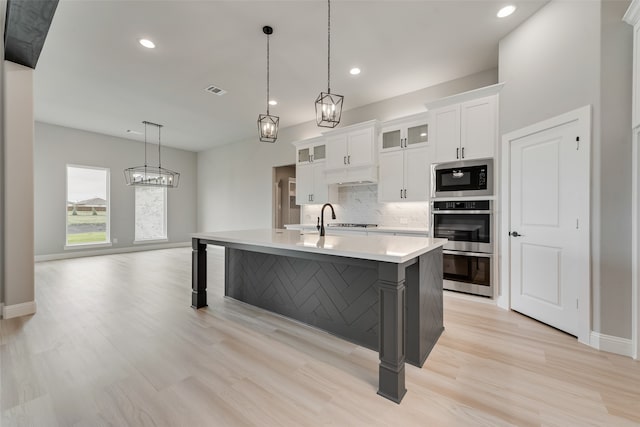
[464,205]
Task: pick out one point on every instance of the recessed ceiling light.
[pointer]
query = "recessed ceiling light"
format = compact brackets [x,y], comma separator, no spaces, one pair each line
[506,11]
[273,102]
[354,71]
[147,43]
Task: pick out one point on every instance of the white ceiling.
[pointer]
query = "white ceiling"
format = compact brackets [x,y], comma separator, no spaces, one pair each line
[93,74]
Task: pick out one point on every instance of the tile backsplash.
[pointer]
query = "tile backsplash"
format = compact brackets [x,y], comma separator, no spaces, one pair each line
[359,204]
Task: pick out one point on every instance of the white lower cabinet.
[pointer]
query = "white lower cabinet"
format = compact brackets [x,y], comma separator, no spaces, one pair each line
[404,175]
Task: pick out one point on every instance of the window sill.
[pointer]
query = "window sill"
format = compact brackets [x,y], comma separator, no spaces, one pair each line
[87,246]
[150,241]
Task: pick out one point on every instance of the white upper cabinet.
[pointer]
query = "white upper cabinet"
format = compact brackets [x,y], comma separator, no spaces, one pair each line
[404,160]
[352,154]
[411,131]
[311,184]
[311,151]
[465,126]
[446,133]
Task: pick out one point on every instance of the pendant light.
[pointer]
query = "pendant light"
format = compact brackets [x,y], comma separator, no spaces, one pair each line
[268,124]
[328,105]
[151,176]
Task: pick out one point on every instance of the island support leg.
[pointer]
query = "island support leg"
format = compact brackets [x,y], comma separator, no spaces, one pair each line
[198,274]
[392,297]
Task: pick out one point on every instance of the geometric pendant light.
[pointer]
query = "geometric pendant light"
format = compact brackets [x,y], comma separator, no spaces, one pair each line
[268,124]
[151,176]
[328,105]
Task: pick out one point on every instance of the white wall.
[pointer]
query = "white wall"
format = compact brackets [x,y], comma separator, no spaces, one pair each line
[18,185]
[567,55]
[57,146]
[234,180]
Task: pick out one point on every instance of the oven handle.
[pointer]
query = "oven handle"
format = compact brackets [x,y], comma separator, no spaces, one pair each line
[435,212]
[476,254]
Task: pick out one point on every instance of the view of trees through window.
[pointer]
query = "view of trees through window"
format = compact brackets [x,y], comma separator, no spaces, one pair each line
[87,205]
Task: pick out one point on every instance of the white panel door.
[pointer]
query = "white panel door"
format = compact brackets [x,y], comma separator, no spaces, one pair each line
[361,147]
[478,128]
[336,150]
[304,183]
[549,254]
[390,178]
[446,133]
[416,174]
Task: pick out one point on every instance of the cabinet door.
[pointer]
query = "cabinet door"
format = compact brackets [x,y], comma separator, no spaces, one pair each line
[390,176]
[417,134]
[391,139]
[478,128]
[304,183]
[320,190]
[304,155]
[319,152]
[361,148]
[446,133]
[416,174]
[336,150]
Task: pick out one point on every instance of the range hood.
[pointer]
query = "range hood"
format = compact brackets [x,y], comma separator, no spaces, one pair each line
[352,176]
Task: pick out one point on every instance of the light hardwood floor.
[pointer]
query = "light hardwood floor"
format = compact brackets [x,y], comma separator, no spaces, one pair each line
[115,343]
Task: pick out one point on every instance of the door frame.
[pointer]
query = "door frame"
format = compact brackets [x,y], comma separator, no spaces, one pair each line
[635,246]
[583,117]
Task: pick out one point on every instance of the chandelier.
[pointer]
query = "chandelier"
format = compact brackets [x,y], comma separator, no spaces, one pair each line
[268,124]
[328,105]
[153,176]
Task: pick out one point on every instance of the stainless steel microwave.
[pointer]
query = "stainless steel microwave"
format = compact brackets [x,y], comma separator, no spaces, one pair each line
[466,178]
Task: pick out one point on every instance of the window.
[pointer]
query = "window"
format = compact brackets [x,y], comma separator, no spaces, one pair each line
[151,213]
[87,205]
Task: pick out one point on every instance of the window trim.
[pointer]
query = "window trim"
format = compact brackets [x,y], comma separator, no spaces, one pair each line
[107,241]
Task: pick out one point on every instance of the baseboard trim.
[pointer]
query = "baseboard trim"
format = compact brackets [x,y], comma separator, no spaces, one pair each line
[17,310]
[95,252]
[617,345]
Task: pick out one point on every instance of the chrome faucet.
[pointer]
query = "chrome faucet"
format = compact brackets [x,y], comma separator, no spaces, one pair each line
[320,225]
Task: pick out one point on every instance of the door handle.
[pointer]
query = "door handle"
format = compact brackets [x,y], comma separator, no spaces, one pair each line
[515,234]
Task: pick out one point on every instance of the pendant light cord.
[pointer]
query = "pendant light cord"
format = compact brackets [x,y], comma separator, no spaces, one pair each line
[267,74]
[159,162]
[145,144]
[329,47]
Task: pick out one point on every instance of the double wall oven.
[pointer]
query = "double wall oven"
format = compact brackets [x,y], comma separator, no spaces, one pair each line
[460,215]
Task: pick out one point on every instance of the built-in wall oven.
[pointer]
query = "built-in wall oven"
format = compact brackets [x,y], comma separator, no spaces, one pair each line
[466,178]
[468,256]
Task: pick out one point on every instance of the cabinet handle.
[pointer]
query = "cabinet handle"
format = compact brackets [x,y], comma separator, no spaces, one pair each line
[457,153]
[348,160]
[311,158]
[463,152]
[405,143]
[344,160]
[405,193]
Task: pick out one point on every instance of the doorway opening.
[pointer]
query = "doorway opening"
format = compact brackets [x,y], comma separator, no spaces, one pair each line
[285,209]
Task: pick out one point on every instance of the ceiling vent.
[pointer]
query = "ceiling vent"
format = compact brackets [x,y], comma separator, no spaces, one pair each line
[215,90]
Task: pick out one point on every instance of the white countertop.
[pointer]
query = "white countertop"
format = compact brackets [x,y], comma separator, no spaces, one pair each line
[396,249]
[379,229]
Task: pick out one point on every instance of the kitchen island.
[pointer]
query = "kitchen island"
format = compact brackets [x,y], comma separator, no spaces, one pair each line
[382,292]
